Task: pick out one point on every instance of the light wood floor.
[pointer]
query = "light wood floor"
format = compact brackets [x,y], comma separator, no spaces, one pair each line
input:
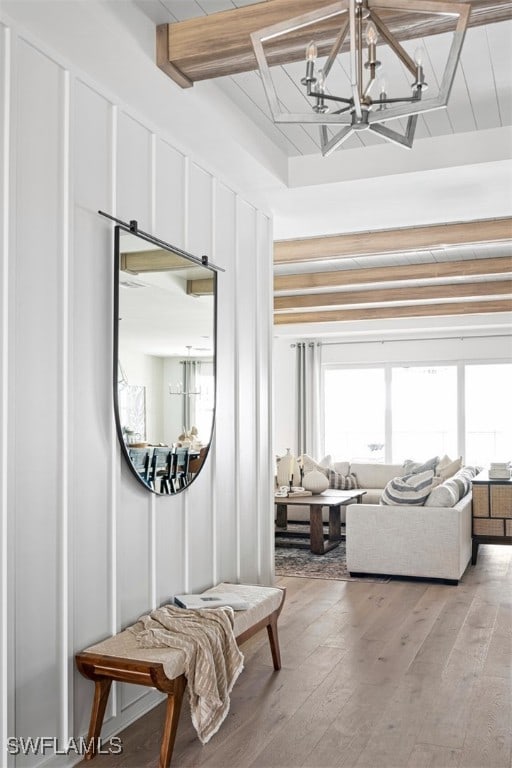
[406,673]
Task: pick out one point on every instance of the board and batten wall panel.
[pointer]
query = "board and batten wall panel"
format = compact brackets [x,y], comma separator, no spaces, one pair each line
[247,460]
[7,575]
[92,468]
[91,549]
[226,444]
[37,338]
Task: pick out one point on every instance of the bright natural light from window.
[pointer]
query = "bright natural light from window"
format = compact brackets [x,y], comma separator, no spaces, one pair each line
[424,412]
[354,413]
[488,413]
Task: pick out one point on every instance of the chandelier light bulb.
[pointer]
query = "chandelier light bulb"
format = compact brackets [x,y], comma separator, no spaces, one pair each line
[419,55]
[383,85]
[311,51]
[320,81]
[371,33]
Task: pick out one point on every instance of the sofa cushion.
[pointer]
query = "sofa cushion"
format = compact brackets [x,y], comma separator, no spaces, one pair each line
[341,467]
[310,464]
[446,467]
[410,489]
[373,475]
[415,467]
[342,482]
[444,495]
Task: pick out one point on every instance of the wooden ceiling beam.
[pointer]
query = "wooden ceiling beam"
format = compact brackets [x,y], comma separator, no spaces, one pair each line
[356,244]
[219,44]
[200,287]
[424,271]
[381,313]
[157,260]
[411,293]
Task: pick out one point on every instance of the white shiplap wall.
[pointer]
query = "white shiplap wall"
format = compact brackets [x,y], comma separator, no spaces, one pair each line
[85,550]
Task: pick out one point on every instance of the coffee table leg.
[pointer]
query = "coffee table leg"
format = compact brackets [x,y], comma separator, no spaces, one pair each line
[335,523]
[316,530]
[282,516]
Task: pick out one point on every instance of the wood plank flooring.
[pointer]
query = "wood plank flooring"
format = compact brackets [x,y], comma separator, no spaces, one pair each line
[408,674]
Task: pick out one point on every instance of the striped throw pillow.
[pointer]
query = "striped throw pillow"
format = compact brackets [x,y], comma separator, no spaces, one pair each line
[342,482]
[410,489]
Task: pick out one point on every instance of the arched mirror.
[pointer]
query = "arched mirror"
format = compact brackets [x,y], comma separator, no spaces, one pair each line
[164,358]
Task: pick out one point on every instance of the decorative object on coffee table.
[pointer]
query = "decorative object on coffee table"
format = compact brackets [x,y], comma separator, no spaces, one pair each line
[288,470]
[315,481]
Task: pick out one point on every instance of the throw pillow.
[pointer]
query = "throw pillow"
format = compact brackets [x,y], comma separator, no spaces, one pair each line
[410,489]
[342,482]
[310,464]
[414,467]
[448,470]
[444,495]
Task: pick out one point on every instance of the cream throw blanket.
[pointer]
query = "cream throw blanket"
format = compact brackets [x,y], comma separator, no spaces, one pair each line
[213,660]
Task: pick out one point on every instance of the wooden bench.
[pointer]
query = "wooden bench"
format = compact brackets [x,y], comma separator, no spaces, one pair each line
[120,658]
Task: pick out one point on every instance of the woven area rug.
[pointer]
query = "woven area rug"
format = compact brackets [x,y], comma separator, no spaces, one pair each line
[295,561]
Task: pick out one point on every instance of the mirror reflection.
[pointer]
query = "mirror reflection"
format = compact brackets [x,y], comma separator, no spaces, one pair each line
[165,345]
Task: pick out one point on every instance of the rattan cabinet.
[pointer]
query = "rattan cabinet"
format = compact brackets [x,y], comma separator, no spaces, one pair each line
[492,512]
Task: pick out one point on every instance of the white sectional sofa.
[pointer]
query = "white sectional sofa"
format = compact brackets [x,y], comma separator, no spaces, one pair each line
[431,542]
[402,540]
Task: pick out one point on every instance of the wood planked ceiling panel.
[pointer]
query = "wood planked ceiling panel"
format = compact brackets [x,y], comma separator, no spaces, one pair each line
[476,63]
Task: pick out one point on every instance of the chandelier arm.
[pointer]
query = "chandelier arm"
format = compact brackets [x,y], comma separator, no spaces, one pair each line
[330,145]
[395,100]
[330,97]
[353,60]
[403,140]
[454,53]
[393,43]
[336,48]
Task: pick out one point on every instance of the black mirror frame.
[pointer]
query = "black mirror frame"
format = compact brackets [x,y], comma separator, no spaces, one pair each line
[132,228]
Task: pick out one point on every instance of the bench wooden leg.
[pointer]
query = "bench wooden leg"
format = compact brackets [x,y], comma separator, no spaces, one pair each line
[172,716]
[101,694]
[274,641]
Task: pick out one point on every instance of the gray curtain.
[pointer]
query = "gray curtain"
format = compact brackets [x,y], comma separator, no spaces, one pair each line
[191,370]
[308,398]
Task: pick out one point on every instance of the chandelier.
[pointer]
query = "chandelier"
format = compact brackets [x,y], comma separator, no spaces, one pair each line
[367,106]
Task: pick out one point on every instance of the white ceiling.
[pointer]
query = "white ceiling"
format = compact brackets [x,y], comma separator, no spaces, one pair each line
[481,97]
[459,168]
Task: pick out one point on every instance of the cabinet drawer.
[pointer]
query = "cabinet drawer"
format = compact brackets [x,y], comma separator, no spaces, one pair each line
[480,501]
[488,527]
[501,501]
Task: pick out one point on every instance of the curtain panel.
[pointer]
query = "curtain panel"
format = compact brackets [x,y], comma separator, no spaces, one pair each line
[308,356]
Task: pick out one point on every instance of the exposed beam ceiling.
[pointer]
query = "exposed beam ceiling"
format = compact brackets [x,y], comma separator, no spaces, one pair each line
[380,313]
[376,291]
[414,293]
[392,241]
[347,277]
[219,44]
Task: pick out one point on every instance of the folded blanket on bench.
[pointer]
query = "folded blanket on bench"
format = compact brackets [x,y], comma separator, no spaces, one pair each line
[213,660]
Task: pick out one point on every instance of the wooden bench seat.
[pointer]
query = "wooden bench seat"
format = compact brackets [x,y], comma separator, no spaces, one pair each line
[120,658]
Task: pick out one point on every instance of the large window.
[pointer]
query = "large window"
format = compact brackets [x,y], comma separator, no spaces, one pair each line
[423,412]
[354,413]
[397,412]
[488,413]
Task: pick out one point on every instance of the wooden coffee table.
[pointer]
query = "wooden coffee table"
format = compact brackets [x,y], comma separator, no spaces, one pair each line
[333,500]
